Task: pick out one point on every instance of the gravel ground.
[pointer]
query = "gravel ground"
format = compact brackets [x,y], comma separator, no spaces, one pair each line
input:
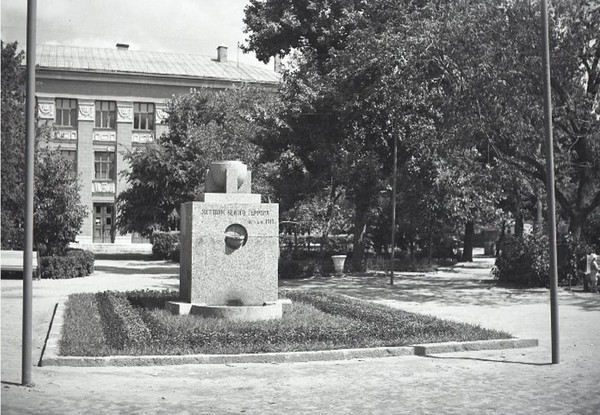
[507,381]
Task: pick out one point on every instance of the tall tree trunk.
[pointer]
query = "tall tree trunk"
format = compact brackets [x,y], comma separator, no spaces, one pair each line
[331,202]
[430,244]
[576,222]
[538,221]
[519,226]
[468,242]
[501,239]
[359,242]
[539,217]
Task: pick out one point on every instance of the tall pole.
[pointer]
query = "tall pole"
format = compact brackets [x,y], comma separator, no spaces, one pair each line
[29,160]
[550,184]
[395,138]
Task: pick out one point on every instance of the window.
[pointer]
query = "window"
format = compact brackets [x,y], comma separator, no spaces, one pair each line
[71,156]
[66,112]
[143,116]
[104,165]
[106,114]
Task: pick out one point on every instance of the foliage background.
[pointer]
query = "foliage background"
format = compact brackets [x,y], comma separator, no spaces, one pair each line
[58,212]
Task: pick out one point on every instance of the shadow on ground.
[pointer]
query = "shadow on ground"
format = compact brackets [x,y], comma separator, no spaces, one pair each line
[172,269]
[458,286]
[485,360]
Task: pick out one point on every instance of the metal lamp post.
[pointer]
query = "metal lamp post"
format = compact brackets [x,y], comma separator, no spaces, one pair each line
[29,160]
[550,183]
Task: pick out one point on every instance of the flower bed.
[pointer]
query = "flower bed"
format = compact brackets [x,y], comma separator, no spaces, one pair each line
[135,324]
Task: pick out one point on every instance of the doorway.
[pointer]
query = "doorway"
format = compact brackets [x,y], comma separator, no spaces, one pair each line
[104,222]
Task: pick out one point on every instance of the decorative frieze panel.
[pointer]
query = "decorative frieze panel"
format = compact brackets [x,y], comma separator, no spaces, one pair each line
[142,138]
[45,110]
[103,187]
[66,135]
[161,114]
[124,113]
[105,136]
[86,111]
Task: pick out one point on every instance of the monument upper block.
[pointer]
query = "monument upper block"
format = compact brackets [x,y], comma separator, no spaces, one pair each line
[230,176]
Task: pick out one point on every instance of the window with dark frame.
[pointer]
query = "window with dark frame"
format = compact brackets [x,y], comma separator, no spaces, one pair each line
[143,116]
[66,112]
[106,114]
[104,165]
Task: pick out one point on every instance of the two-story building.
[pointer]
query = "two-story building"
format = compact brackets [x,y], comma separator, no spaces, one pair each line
[105,102]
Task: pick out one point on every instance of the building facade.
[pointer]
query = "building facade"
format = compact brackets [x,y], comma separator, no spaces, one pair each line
[105,102]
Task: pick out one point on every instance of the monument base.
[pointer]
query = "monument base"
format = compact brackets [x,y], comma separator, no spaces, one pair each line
[237,313]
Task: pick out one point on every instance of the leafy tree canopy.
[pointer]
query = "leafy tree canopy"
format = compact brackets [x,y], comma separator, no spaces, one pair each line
[204,126]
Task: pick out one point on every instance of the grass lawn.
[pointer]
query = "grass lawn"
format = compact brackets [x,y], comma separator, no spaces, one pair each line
[135,323]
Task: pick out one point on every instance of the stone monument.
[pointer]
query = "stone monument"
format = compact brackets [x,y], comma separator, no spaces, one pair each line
[229,249]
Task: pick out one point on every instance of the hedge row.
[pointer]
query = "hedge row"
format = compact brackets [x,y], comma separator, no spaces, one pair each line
[151,299]
[388,323]
[303,329]
[122,325]
[305,268]
[77,263]
[308,325]
[80,334]
[165,245]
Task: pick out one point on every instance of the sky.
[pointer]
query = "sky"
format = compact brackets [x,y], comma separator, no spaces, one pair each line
[180,26]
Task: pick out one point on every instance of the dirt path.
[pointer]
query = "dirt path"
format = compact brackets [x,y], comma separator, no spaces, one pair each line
[512,381]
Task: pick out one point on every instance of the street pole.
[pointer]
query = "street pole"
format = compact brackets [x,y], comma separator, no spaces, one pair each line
[29,160]
[395,138]
[550,184]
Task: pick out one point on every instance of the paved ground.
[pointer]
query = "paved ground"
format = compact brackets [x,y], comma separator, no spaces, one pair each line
[510,382]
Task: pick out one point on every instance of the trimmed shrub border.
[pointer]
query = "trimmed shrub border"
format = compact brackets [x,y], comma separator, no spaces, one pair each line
[51,357]
[165,245]
[75,264]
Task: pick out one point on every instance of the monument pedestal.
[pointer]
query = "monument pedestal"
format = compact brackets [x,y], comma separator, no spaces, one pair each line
[229,253]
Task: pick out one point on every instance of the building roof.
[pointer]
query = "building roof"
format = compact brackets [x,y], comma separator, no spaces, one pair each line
[120,60]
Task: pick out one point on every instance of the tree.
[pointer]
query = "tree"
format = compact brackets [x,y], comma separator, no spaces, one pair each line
[457,83]
[13,146]
[332,151]
[204,126]
[499,93]
[351,90]
[58,213]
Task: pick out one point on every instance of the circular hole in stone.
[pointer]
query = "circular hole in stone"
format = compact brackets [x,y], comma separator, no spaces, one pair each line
[236,236]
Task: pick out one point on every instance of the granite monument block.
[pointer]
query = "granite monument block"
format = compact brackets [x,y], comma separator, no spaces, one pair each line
[229,249]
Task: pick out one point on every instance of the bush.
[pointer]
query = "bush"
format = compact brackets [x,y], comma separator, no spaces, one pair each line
[77,263]
[525,261]
[165,245]
[572,258]
[151,298]
[403,264]
[304,268]
[122,325]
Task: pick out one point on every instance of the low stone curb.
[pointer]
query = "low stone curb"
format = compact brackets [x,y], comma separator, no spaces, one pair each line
[51,356]
[450,347]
